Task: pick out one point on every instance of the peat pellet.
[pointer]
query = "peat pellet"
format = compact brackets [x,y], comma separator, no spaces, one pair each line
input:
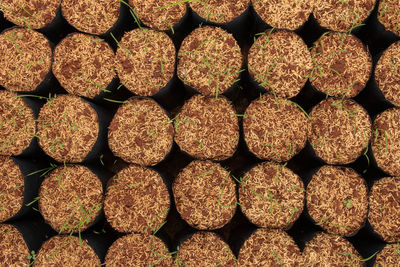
[337,200]
[275,128]
[384,208]
[205,195]
[205,249]
[342,16]
[207,128]
[387,73]
[284,14]
[137,200]
[341,65]
[271,195]
[67,128]
[141,132]
[25,57]
[84,65]
[219,11]
[209,60]
[66,250]
[13,249]
[11,188]
[340,130]
[385,141]
[145,61]
[389,15]
[17,124]
[70,198]
[161,15]
[269,247]
[389,256]
[30,14]
[330,250]
[91,16]
[138,250]
[280,61]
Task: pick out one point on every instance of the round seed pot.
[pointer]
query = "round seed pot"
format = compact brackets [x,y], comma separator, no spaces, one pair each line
[280,61]
[71,198]
[137,200]
[84,65]
[209,60]
[337,200]
[330,250]
[30,14]
[385,141]
[66,250]
[138,250]
[269,247]
[284,14]
[161,15]
[342,65]
[342,16]
[386,74]
[384,208]
[92,16]
[25,57]
[141,132]
[388,15]
[13,249]
[205,249]
[271,196]
[207,128]
[17,124]
[68,127]
[219,11]
[340,130]
[205,195]
[145,61]
[389,256]
[275,128]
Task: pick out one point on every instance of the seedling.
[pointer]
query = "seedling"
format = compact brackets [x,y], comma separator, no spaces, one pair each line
[348,203]
[154,220]
[277,258]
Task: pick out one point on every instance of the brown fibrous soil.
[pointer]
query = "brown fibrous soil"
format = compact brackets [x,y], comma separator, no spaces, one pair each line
[28,13]
[389,256]
[275,128]
[280,61]
[138,250]
[342,16]
[387,73]
[91,16]
[342,65]
[340,130]
[205,195]
[145,61]
[161,15]
[67,128]
[207,128]
[219,11]
[13,249]
[388,15]
[271,195]
[385,141]
[384,208]
[141,132]
[66,250]
[330,250]
[137,200]
[269,247]
[25,59]
[11,188]
[209,60]
[84,64]
[70,198]
[17,124]
[205,249]
[337,200]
